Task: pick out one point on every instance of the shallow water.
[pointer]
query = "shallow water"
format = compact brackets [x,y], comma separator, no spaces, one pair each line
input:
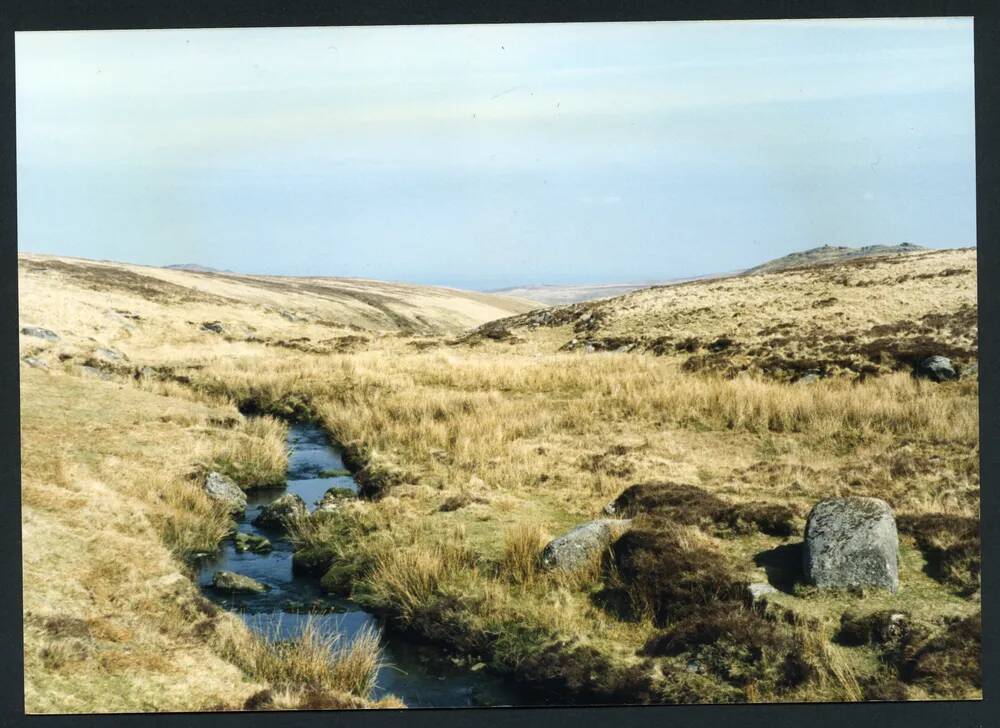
[414,672]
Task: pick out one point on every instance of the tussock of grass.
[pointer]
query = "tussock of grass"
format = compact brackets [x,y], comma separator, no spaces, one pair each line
[411,577]
[188,521]
[256,456]
[951,662]
[338,539]
[522,548]
[740,647]
[310,664]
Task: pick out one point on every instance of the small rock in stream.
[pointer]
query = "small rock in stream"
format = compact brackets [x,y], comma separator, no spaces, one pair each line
[231,581]
[251,542]
[279,512]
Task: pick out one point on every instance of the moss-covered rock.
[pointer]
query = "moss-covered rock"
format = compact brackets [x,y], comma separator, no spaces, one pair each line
[339,577]
[251,542]
[313,559]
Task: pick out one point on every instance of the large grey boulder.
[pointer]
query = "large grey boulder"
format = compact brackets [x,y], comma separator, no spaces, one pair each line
[231,581]
[39,333]
[580,546]
[937,368]
[222,489]
[852,542]
[280,511]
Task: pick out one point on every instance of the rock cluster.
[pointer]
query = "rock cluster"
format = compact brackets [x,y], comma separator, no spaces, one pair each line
[110,355]
[95,372]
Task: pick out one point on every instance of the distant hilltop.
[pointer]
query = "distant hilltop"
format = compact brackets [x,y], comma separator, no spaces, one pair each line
[555,295]
[195,268]
[561,294]
[832,254]
[558,295]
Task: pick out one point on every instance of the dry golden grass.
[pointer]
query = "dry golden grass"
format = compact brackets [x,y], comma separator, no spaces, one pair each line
[187,521]
[830,298]
[111,623]
[557,437]
[522,545]
[149,311]
[256,455]
[520,425]
[409,577]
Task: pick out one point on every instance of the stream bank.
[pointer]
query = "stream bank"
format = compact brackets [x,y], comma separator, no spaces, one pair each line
[414,672]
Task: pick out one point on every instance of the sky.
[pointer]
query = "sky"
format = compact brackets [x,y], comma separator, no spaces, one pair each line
[491,156]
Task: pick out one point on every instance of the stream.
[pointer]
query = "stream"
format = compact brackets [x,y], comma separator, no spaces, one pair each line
[414,672]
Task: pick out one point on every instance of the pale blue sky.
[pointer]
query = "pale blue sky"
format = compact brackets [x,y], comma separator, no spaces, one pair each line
[488,156]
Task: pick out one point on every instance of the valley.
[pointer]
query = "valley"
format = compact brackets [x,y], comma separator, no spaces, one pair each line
[478,428]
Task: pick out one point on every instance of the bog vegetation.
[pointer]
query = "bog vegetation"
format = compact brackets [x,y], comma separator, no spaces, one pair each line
[713,413]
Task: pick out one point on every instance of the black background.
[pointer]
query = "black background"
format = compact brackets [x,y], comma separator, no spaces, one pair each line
[103,14]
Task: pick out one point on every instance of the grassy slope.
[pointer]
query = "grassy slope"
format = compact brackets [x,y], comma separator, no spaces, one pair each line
[832,254]
[531,441]
[111,624]
[258,308]
[106,465]
[858,316]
